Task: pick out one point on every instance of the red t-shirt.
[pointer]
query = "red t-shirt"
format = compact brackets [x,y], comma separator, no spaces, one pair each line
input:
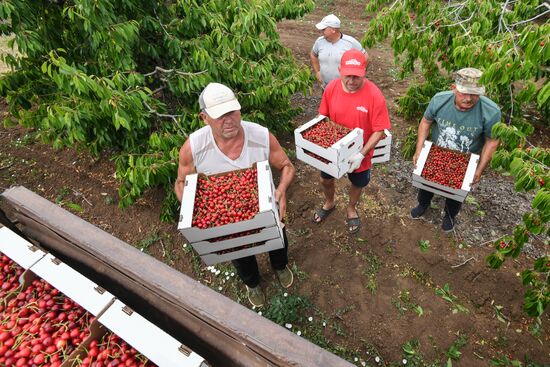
[365,109]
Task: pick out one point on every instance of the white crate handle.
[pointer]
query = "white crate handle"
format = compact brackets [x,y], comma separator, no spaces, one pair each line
[127,310]
[185,350]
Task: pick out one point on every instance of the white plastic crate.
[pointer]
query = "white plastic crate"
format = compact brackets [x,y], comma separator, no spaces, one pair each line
[148,339]
[273,244]
[337,154]
[334,169]
[18,249]
[264,234]
[72,284]
[382,150]
[267,216]
[436,188]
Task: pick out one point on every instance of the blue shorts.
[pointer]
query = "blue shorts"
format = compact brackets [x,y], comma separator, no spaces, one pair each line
[357,179]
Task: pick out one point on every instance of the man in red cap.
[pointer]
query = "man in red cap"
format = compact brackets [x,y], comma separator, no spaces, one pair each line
[353,101]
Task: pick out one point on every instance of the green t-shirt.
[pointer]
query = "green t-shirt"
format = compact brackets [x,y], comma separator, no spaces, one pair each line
[461,130]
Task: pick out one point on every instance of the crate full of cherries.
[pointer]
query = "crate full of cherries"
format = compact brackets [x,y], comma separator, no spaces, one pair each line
[52,315]
[231,215]
[445,172]
[326,145]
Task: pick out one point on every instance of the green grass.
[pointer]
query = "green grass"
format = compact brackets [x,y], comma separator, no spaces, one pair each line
[415,358]
[370,268]
[61,200]
[404,302]
[147,242]
[445,293]
[419,276]
[424,245]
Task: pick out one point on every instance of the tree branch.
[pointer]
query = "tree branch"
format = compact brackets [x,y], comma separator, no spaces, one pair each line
[176,71]
[463,263]
[530,20]
[501,18]
[490,241]
[161,24]
[512,104]
[395,2]
[164,115]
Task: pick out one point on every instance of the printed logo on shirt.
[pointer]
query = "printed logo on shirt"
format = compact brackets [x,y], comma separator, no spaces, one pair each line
[455,137]
[353,62]
[362,109]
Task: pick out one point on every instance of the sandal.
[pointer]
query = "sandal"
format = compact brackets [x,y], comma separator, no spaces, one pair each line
[354,224]
[321,214]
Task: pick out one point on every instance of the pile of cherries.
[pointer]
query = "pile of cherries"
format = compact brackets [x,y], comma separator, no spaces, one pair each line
[111,350]
[226,198]
[41,327]
[446,167]
[325,133]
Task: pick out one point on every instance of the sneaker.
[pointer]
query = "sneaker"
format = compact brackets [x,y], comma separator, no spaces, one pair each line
[417,211]
[285,277]
[256,296]
[448,223]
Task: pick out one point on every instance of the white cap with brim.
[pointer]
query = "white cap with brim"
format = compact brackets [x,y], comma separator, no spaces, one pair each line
[330,20]
[217,100]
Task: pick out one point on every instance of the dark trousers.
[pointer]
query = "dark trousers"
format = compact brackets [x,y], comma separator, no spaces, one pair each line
[452,207]
[247,267]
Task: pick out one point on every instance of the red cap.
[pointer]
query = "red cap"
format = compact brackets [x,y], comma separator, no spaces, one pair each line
[353,62]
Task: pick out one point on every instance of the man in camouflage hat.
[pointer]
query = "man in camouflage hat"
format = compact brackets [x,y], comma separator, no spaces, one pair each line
[460,119]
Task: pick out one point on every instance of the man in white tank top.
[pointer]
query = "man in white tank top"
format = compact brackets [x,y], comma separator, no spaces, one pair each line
[227,143]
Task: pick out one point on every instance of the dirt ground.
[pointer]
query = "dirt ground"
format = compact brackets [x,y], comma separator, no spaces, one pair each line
[377,289]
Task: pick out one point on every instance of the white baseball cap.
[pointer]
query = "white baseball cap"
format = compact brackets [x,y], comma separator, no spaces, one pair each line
[217,100]
[330,20]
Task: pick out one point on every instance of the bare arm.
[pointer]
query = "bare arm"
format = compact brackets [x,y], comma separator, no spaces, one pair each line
[185,167]
[371,143]
[485,157]
[279,160]
[423,132]
[316,66]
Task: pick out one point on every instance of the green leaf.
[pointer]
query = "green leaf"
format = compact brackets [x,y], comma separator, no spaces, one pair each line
[75,207]
[495,259]
[526,277]
[541,201]
[544,95]
[542,264]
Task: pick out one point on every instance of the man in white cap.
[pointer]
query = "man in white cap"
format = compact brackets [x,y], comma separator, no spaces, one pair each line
[228,143]
[353,101]
[329,48]
[460,119]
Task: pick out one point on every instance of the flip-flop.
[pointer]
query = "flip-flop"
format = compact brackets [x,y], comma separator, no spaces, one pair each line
[322,214]
[353,225]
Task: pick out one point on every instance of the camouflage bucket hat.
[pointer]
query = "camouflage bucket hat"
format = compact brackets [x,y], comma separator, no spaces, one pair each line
[467,81]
